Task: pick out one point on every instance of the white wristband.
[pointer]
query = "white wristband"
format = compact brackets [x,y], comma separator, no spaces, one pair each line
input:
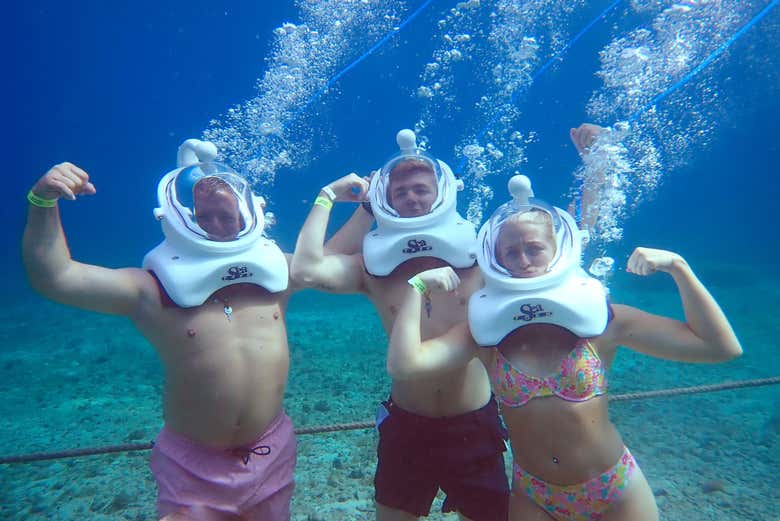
[327,190]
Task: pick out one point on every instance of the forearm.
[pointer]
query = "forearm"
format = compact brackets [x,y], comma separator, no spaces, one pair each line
[406,336]
[589,211]
[348,240]
[309,249]
[702,313]
[586,205]
[44,249]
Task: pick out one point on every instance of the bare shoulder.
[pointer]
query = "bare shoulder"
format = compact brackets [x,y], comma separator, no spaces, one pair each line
[292,285]
[486,355]
[626,317]
[366,283]
[149,289]
[145,280]
[353,271]
[121,291]
[460,334]
[622,327]
[472,276]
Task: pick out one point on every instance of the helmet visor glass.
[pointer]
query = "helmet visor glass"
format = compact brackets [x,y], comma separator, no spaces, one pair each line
[213,201]
[411,185]
[538,212]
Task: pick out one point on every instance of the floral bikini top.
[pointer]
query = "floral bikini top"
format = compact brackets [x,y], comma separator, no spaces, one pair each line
[581,376]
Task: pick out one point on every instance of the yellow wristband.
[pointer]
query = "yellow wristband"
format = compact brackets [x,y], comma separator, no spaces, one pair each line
[324,201]
[418,284]
[39,201]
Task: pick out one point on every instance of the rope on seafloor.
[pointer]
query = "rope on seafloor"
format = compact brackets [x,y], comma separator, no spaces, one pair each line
[133,447]
[696,389]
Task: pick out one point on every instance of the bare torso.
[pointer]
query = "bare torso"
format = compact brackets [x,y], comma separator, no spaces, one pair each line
[224,378]
[449,394]
[585,441]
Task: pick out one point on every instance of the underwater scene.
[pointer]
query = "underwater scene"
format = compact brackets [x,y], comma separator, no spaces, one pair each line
[295,94]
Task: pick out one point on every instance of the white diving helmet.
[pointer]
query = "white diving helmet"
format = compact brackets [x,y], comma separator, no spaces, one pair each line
[197,258]
[440,232]
[564,295]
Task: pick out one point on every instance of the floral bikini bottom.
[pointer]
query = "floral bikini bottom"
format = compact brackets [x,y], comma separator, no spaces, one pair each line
[581,502]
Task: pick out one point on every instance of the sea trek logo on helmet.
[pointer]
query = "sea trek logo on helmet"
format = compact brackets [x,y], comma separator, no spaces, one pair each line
[562,295]
[214,230]
[237,272]
[414,199]
[415,246]
[529,312]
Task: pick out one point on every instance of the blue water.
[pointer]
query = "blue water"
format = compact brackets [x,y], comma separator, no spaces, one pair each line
[116,88]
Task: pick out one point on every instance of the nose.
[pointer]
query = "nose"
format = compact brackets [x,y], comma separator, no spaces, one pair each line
[412,199]
[522,260]
[212,224]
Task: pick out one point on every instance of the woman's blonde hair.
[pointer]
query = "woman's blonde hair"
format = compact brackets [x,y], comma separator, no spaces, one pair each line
[533,216]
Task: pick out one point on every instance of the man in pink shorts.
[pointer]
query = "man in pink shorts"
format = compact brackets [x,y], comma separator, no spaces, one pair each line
[211,299]
[255,480]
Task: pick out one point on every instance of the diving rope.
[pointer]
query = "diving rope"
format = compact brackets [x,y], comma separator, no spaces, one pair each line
[319,429]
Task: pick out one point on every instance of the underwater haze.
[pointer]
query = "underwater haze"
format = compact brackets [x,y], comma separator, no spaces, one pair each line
[296,94]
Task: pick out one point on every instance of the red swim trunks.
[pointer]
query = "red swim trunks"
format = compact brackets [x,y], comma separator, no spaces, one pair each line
[255,481]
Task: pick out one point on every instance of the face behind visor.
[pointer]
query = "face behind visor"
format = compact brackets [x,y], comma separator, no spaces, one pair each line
[526,243]
[513,229]
[411,185]
[213,202]
[555,233]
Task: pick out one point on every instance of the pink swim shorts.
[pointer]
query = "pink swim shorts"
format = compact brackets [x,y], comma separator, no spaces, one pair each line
[255,481]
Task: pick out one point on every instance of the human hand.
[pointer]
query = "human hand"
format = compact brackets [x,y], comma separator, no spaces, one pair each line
[351,187]
[63,180]
[440,280]
[584,136]
[646,261]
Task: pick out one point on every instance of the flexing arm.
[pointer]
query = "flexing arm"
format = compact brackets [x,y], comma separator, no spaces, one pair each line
[47,260]
[312,265]
[706,336]
[348,240]
[408,356]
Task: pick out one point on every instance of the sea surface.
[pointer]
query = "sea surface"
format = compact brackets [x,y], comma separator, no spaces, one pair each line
[296,94]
